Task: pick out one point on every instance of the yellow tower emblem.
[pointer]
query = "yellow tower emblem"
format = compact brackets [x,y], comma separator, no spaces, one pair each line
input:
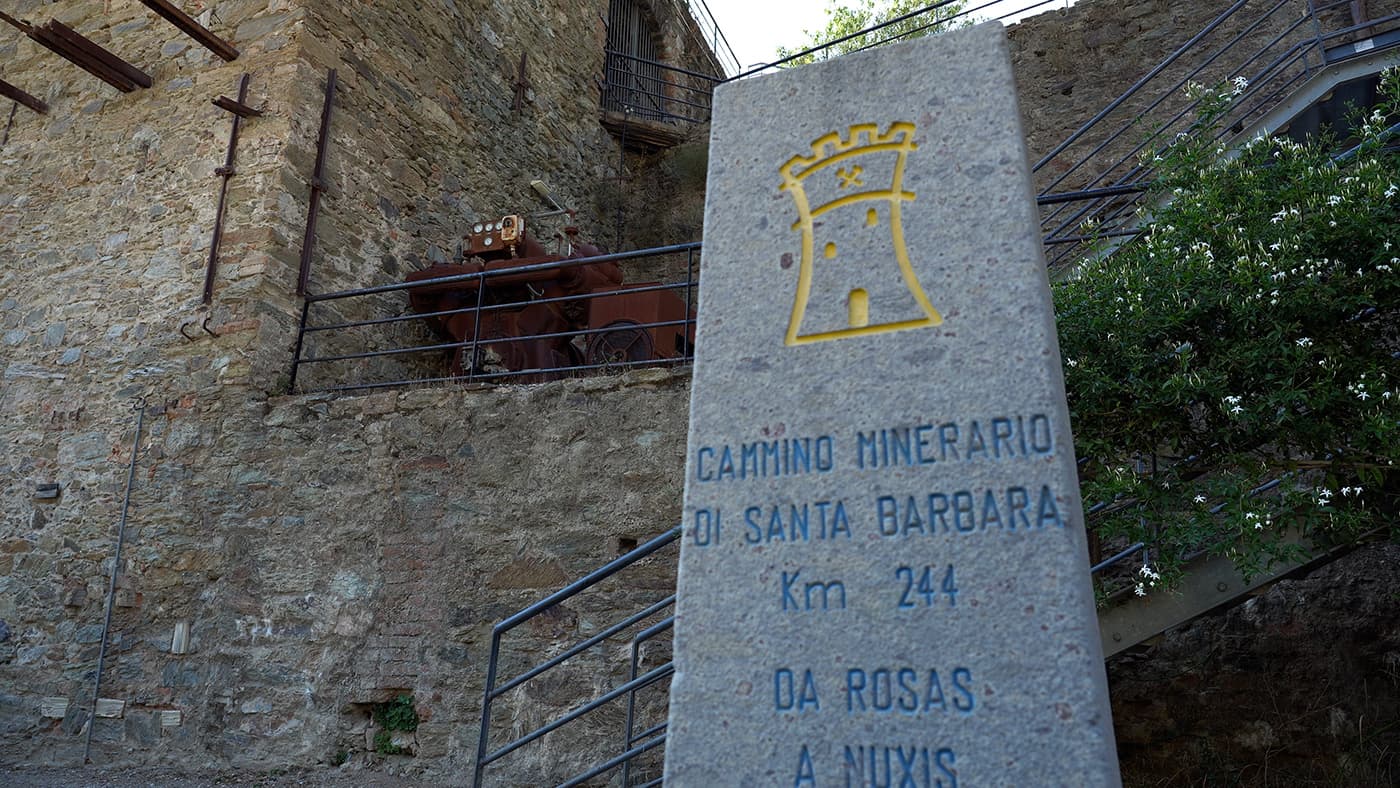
[860,293]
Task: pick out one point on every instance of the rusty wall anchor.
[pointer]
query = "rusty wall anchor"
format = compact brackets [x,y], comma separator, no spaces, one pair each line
[240,111]
[191,28]
[20,97]
[82,52]
[318,185]
[204,325]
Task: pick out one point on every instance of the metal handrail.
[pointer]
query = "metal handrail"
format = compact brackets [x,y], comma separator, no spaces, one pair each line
[493,690]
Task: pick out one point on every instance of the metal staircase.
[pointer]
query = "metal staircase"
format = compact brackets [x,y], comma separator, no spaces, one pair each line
[1314,61]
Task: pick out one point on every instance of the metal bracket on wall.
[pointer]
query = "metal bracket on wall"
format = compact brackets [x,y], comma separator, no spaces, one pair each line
[20,97]
[240,110]
[522,84]
[191,28]
[67,43]
[318,185]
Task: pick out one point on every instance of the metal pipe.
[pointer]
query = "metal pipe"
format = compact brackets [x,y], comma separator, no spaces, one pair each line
[524,269]
[112,582]
[21,97]
[296,354]
[613,763]
[1116,103]
[308,242]
[191,28]
[225,172]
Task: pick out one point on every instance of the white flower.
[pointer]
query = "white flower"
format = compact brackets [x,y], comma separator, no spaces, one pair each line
[1140,590]
[1237,410]
[1274,247]
[1240,85]
[1233,400]
[1304,342]
[1363,395]
[1334,200]
[1390,192]
[1199,499]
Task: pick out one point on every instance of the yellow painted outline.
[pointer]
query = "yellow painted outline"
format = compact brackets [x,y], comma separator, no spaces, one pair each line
[828,150]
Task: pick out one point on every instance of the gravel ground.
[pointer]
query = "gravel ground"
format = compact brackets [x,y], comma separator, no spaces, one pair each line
[92,777]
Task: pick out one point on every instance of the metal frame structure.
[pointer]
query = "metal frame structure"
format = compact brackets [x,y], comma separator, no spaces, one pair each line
[685,288]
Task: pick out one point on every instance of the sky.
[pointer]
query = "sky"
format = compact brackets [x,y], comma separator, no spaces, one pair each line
[756,28]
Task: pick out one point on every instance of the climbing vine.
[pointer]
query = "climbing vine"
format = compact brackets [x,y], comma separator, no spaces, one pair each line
[1235,372]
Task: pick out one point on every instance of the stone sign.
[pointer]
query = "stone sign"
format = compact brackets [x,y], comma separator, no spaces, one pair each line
[884,579]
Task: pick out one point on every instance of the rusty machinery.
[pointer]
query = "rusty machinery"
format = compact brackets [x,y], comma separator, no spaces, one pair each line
[528,318]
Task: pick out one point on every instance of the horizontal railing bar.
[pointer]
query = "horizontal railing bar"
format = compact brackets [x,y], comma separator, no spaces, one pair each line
[613,763]
[1102,565]
[482,377]
[524,269]
[1081,238]
[653,730]
[662,66]
[1130,92]
[499,307]
[493,341]
[596,576]
[650,677]
[1088,194]
[583,646]
[653,630]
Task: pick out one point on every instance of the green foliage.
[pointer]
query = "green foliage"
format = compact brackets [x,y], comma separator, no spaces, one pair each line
[843,20]
[397,715]
[1249,335]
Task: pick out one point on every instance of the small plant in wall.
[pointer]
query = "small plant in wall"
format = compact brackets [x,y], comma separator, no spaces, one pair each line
[391,717]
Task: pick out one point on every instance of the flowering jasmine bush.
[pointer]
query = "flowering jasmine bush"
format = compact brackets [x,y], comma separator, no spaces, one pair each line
[1249,338]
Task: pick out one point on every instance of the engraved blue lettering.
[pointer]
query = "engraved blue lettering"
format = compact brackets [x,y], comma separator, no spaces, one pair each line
[748,460]
[888,515]
[755,532]
[933,696]
[788,582]
[1019,499]
[865,450]
[881,690]
[900,450]
[701,472]
[947,439]
[1042,437]
[1049,512]
[938,509]
[772,464]
[945,760]
[908,685]
[801,456]
[962,680]
[789,695]
[726,464]
[990,513]
[975,442]
[806,777]
[826,454]
[912,522]
[923,440]
[855,689]
[1021,434]
[962,505]
[906,766]
[1001,434]
[775,525]
[706,529]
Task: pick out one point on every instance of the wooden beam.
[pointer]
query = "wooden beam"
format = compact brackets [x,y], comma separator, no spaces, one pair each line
[191,28]
[15,94]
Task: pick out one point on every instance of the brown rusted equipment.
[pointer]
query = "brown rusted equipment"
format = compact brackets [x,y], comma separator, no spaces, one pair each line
[318,185]
[225,172]
[67,43]
[191,28]
[545,317]
[20,97]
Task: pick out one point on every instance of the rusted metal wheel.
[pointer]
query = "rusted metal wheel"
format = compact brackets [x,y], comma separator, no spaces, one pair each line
[622,342]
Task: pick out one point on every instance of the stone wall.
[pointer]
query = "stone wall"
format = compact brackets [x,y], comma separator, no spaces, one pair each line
[317,583]
[331,553]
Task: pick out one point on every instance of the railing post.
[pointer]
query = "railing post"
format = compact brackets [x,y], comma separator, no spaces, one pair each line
[296,354]
[481,741]
[476,326]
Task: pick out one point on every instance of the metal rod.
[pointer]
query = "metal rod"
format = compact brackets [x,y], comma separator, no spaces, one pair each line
[112,583]
[225,172]
[1183,49]
[193,29]
[613,763]
[596,576]
[296,354]
[524,269]
[20,97]
[308,242]
[1088,194]
[584,645]
[106,58]
[485,731]
[646,679]
[9,124]
[50,41]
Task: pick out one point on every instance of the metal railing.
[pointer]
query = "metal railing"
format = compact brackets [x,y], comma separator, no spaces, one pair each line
[642,626]
[648,90]
[348,334]
[1107,162]
[713,37]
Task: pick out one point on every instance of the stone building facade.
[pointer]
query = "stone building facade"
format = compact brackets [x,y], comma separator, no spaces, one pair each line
[327,554]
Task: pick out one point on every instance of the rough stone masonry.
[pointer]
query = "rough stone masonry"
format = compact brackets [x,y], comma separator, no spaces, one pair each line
[883,578]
